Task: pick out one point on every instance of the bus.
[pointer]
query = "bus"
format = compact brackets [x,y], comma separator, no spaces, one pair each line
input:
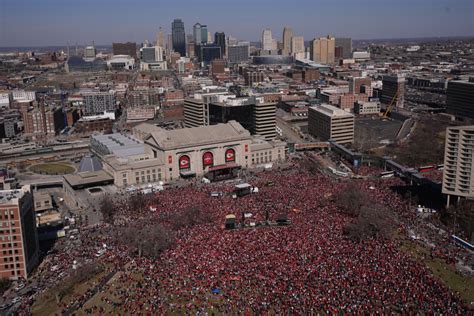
[387,174]
[427,168]
[462,242]
[242,189]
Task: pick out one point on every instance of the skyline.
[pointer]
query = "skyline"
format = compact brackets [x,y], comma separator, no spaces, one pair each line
[51,23]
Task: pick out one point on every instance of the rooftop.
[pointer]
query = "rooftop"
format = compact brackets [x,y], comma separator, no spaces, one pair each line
[330,110]
[90,163]
[120,144]
[9,197]
[196,136]
[88,178]
[467,81]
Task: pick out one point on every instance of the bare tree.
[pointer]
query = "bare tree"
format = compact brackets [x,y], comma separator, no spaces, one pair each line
[352,199]
[372,220]
[140,202]
[145,239]
[107,209]
[189,217]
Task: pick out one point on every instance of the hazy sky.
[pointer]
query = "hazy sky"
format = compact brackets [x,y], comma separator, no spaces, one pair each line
[56,22]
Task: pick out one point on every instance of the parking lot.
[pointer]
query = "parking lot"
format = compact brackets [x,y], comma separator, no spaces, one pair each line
[375,132]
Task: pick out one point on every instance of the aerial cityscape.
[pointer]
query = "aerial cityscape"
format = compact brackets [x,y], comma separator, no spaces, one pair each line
[266,158]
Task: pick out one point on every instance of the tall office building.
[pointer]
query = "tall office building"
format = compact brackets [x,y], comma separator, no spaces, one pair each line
[209,52]
[19,237]
[393,90]
[345,47]
[264,119]
[238,53]
[199,33]
[268,43]
[204,34]
[194,112]
[253,113]
[458,173]
[128,48]
[330,123]
[219,40]
[151,54]
[297,47]
[169,44]
[178,36]
[323,50]
[460,98]
[160,38]
[98,102]
[287,35]
[90,52]
[231,41]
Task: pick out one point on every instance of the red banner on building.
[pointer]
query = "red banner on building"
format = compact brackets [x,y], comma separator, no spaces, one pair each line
[184,162]
[229,155]
[207,159]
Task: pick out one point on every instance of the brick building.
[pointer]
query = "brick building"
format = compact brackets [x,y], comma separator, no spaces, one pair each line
[42,121]
[18,236]
[218,66]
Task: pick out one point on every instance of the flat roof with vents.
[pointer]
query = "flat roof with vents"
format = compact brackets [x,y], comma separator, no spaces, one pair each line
[122,145]
[331,110]
[87,179]
[198,136]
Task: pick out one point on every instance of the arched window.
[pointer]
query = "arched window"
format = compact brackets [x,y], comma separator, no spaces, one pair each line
[230,155]
[184,162]
[207,159]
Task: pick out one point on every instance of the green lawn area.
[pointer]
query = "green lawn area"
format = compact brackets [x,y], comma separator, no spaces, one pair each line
[446,273]
[46,303]
[52,168]
[108,293]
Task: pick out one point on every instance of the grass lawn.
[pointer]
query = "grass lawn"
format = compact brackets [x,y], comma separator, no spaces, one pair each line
[446,273]
[52,168]
[108,292]
[46,304]
[96,299]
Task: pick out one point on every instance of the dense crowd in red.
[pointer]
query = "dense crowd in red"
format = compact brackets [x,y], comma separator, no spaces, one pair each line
[307,266]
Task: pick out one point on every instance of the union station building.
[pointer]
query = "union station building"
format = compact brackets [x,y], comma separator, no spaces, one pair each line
[151,154]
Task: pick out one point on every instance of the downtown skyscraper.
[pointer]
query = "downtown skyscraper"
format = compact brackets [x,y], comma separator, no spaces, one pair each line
[287,35]
[219,40]
[160,38]
[268,43]
[178,36]
[323,50]
[199,34]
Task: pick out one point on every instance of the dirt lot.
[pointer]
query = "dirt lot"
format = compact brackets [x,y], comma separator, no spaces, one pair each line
[424,146]
[372,132]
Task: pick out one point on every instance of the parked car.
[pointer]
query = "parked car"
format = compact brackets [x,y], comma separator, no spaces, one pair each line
[19,287]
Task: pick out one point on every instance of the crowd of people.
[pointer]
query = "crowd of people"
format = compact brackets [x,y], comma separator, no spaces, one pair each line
[308,266]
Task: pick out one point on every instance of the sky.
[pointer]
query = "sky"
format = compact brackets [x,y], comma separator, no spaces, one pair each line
[58,22]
